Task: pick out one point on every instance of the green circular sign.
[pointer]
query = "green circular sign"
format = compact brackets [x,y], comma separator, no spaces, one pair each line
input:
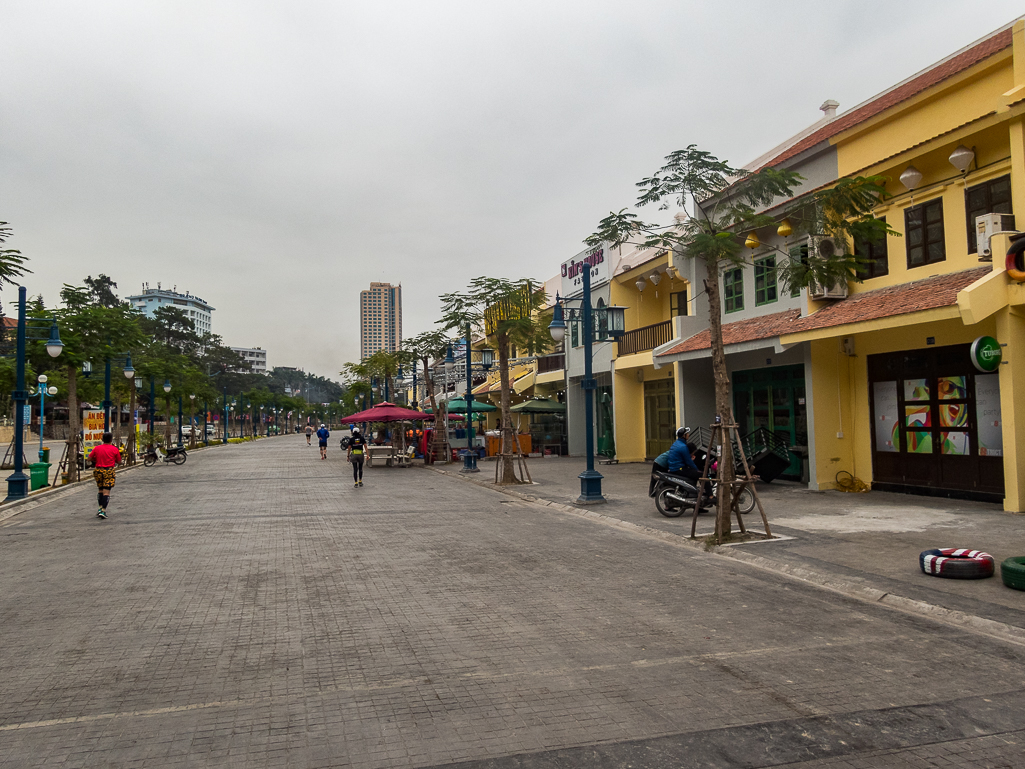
[986,354]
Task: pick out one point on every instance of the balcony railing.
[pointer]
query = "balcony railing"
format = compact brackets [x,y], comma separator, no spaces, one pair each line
[548,363]
[646,338]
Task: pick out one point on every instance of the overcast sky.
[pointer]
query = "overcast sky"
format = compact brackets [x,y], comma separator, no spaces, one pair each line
[273,158]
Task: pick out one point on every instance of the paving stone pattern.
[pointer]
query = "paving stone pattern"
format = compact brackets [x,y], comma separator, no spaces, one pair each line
[251,608]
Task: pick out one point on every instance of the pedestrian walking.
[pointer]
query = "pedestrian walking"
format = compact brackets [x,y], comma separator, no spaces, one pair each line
[105,458]
[322,436]
[357,452]
[309,432]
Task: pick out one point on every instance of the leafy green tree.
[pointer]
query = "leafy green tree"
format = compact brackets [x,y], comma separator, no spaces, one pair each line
[727,202]
[510,312]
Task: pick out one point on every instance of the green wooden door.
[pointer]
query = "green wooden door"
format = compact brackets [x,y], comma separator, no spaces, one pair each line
[773,398]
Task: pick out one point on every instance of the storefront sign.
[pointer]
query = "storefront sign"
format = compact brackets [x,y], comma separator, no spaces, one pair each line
[986,354]
[92,428]
[598,259]
[987,415]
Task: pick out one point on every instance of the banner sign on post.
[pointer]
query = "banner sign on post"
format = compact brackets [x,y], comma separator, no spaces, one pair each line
[92,429]
[27,414]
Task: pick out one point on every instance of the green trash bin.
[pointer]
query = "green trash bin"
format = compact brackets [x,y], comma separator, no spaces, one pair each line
[46,454]
[39,475]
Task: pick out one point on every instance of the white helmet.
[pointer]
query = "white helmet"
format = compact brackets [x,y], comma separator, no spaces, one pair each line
[322,424]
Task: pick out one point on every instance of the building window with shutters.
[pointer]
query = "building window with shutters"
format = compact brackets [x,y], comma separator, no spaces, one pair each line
[733,290]
[923,229]
[765,280]
[875,255]
[992,197]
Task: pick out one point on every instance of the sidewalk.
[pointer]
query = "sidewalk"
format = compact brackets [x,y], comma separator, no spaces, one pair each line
[865,545]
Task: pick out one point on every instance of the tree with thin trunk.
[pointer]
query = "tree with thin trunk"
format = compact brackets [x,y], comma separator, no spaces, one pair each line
[724,204]
[510,312]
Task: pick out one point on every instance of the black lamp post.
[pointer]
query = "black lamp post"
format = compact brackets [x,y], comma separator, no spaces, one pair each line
[18,482]
[487,360]
[129,373]
[590,479]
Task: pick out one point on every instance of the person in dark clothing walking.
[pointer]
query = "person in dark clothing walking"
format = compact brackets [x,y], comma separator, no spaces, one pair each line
[105,458]
[357,452]
[322,436]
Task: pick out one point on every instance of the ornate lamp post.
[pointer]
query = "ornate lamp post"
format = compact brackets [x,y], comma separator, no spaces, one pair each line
[17,482]
[590,479]
[486,362]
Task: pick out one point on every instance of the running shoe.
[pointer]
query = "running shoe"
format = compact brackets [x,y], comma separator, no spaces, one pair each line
[361,483]
[101,513]
[355,485]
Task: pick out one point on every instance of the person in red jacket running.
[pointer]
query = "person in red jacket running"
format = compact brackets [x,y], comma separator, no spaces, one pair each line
[105,458]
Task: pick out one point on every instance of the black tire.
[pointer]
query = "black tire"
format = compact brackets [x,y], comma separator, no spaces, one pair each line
[149,460]
[1012,572]
[669,507]
[180,457]
[956,563]
[745,501]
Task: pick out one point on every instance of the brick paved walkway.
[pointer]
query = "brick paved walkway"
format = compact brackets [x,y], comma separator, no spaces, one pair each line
[251,608]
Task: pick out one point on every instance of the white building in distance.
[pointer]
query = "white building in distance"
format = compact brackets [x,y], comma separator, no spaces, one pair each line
[256,357]
[151,299]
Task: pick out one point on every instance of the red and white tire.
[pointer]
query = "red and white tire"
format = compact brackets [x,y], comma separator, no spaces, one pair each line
[957,563]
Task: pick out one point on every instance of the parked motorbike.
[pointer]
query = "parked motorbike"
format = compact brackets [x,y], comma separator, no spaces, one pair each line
[675,495]
[176,455]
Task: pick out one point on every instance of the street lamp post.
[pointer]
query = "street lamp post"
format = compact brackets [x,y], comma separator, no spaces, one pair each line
[17,482]
[43,392]
[590,479]
[470,458]
[192,419]
[129,373]
[487,359]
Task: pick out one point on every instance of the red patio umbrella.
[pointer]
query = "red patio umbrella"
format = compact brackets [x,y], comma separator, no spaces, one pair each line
[388,412]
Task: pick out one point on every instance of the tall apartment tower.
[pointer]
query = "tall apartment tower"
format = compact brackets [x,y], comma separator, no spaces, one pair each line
[380,318]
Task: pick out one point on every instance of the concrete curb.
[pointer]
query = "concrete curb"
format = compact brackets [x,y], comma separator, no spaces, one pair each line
[861,591]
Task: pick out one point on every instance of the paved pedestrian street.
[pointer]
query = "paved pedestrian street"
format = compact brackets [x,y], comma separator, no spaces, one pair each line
[251,608]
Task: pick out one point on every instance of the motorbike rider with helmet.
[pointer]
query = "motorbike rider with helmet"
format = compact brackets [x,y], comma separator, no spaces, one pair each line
[679,460]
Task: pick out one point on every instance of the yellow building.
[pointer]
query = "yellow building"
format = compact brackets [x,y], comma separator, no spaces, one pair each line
[888,389]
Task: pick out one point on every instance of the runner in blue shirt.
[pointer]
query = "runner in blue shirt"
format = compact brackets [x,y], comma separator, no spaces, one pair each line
[322,436]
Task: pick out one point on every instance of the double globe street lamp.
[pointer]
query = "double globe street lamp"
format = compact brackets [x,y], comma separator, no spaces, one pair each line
[615,317]
[43,392]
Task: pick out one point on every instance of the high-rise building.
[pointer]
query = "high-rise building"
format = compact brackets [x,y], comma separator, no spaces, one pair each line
[380,318]
[151,299]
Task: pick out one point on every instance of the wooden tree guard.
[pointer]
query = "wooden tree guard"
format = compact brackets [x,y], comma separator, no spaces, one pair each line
[723,433]
[519,459]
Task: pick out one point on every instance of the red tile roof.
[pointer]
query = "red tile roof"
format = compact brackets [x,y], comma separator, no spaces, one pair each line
[937,74]
[904,298]
[10,322]
[764,327]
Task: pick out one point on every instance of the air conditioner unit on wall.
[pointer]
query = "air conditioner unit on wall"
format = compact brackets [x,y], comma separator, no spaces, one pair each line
[825,248]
